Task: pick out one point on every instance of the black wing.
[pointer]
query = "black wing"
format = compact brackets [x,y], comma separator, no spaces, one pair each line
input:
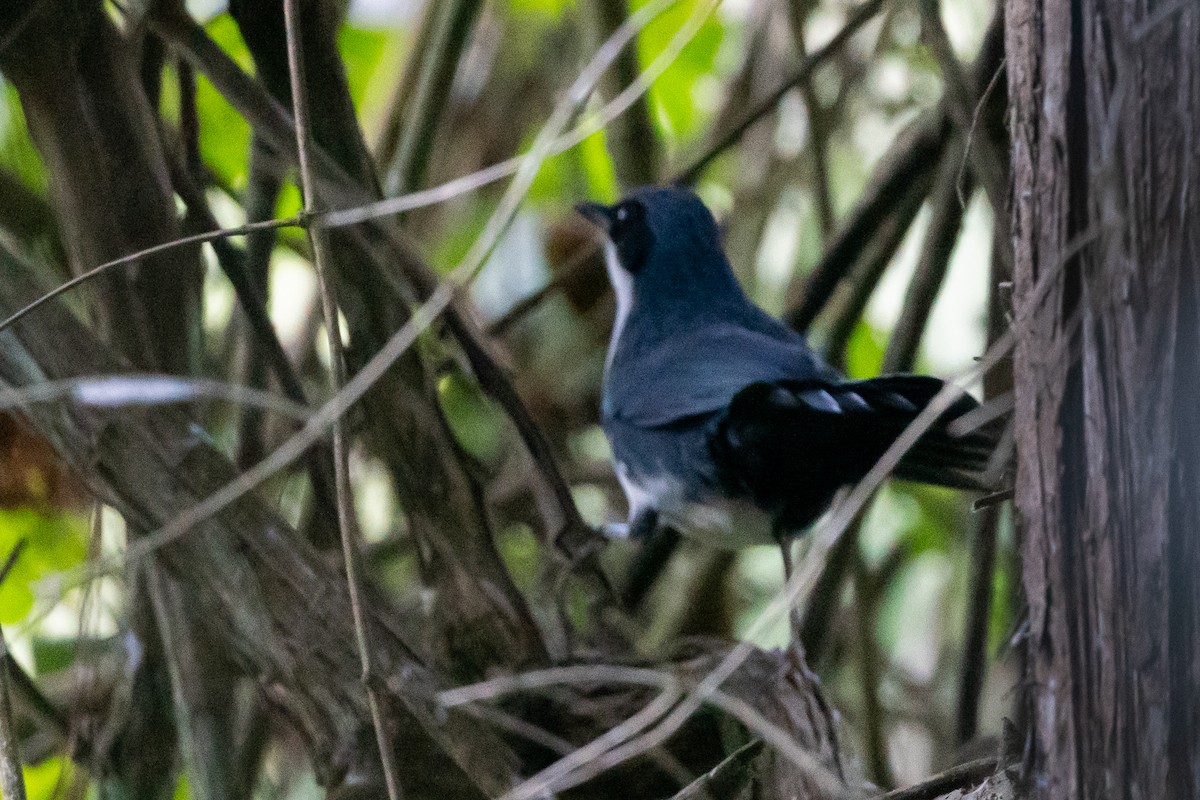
[789,445]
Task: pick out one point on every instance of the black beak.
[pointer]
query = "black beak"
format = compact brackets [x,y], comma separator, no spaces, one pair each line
[598,214]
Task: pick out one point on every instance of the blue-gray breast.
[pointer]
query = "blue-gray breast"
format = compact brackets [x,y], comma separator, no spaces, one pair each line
[723,422]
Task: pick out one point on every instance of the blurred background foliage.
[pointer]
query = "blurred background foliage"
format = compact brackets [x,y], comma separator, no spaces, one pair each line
[781,193]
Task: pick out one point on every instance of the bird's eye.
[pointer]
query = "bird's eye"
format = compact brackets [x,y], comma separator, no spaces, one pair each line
[630,233]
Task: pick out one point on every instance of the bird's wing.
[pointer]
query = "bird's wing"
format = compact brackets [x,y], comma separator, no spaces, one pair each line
[790,442]
[700,372]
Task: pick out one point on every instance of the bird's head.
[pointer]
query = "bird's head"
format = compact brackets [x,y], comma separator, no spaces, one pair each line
[661,234]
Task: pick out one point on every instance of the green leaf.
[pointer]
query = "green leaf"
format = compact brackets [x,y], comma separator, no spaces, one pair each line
[47,779]
[53,543]
[599,169]
[550,9]
[476,423]
[224,134]
[864,351]
[17,153]
[678,94]
[365,53]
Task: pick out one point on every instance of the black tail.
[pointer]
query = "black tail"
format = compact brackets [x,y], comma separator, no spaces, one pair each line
[938,457]
[790,445]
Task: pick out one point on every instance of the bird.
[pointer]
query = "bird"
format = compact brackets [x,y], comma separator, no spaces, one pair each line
[724,424]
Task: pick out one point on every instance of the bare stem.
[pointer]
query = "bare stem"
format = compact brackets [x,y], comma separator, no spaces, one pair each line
[347,524]
[12,780]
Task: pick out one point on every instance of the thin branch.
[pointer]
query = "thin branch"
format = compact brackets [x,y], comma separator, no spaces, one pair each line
[980,107]
[116,391]
[261,195]
[998,397]
[822,603]
[423,96]
[959,777]
[553,777]
[851,300]
[11,561]
[236,269]
[347,522]
[975,627]
[576,675]
[866,602]
[631,138]
[777,738]
[819,124]
[12,778]
[910,161]
[964,96]
[861,16]
[199,238]
[945,222]
[519,727]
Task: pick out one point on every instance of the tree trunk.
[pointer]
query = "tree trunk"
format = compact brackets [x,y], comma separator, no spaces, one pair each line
[1106,114]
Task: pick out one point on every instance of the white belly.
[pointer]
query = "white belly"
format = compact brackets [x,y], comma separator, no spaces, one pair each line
[716,521]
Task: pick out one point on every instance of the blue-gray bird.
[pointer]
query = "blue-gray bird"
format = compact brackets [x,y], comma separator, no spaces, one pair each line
[724,424]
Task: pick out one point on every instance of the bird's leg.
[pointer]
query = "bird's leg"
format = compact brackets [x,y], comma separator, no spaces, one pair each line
[785,539]
[796,650]
[657,547]
[643,526]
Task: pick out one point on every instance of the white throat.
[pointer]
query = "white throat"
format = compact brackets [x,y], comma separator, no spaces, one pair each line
[622,283]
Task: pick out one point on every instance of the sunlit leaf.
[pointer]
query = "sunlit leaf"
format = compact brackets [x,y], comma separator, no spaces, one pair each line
[598,166]
[49,779]
[677,95]
[53,543]
[864,352]
[224,134]
[552,9]
[364,52]
[17,153]
[474,420]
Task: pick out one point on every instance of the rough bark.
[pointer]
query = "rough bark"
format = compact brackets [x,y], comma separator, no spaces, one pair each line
[1106,111]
